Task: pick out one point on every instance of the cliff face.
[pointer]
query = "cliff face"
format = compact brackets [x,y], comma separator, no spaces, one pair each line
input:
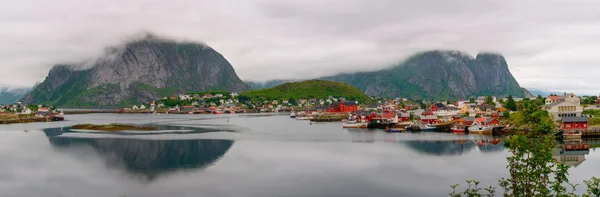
[141,71]
[439,75]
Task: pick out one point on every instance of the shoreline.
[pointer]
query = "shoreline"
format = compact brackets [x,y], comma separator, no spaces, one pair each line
[25,120]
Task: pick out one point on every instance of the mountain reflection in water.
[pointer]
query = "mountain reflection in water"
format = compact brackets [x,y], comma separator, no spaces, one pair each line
[150,158]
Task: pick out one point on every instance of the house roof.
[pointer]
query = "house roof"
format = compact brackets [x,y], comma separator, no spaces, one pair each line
[554,98]
[428,117]
[489,120]
[349,103]
[346,103]
[389,115]
[450,108]
[469,119]
[575,119]
[481,119]
[486,106]
[403,114]
[367,113]
[439,105]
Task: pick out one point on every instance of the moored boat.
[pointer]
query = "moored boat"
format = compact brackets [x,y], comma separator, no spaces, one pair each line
[458,129]
[428,127]
[575,134]
[395,130]
[218,112]
[293,115]
[355,125]
[478,128]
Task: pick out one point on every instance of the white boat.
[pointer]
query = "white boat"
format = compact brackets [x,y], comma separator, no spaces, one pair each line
[576,134]
[293,115]
[478,128]
[304,117]
[428,127]
[354,124]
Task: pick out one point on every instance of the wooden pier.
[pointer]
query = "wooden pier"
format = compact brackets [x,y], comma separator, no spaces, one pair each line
[591,133]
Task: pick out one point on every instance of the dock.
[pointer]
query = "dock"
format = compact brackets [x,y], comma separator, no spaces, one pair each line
[591,133]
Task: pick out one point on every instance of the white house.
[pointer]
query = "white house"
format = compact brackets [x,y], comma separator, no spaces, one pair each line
[233,94]
[570,97]
[562,108]
[218,95]
[185,97]
[26,110]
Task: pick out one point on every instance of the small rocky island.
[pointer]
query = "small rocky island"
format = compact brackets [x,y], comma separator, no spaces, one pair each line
[113,127]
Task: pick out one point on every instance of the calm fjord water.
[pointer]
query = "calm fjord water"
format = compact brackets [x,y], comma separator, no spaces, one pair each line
[242,155]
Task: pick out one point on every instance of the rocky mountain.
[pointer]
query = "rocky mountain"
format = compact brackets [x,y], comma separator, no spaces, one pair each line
[140,71]
[439,75]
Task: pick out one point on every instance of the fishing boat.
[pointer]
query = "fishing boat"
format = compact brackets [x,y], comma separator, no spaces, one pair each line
[293,115]
[428,127]
[217,112]
[395,130]
[354,124]
[304,117]
[575,134]
[478,128]
[457,129]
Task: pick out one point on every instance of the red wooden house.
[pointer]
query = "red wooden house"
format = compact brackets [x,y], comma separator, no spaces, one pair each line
[428,119]
[571,123]
[343,107]
[437,107]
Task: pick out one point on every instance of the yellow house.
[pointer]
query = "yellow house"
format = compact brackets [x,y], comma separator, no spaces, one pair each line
[464,109]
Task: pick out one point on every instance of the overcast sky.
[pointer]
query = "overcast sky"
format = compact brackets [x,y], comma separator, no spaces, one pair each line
[549,44]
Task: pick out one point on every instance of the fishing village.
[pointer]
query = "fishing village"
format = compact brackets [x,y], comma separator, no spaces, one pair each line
[574,117]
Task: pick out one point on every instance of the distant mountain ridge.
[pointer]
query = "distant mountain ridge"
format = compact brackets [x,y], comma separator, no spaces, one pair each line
[267,84]
[141,71]
[9,96]
[438,75]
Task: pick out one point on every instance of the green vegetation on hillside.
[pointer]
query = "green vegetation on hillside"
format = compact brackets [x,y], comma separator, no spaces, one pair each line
[319,89]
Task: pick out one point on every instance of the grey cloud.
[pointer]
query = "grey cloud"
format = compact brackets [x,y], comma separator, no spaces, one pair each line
[549,44]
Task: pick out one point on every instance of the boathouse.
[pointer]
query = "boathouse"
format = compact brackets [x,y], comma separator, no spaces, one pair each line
[343,107]
[429,119]
[571,123]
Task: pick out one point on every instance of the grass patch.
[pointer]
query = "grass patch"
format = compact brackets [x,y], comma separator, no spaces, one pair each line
[113,127]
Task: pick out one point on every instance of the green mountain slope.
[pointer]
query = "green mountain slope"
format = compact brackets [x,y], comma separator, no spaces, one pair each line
[309,89]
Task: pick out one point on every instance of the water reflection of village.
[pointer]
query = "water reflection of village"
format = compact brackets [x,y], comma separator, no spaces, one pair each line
[455,145]
[573,152]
